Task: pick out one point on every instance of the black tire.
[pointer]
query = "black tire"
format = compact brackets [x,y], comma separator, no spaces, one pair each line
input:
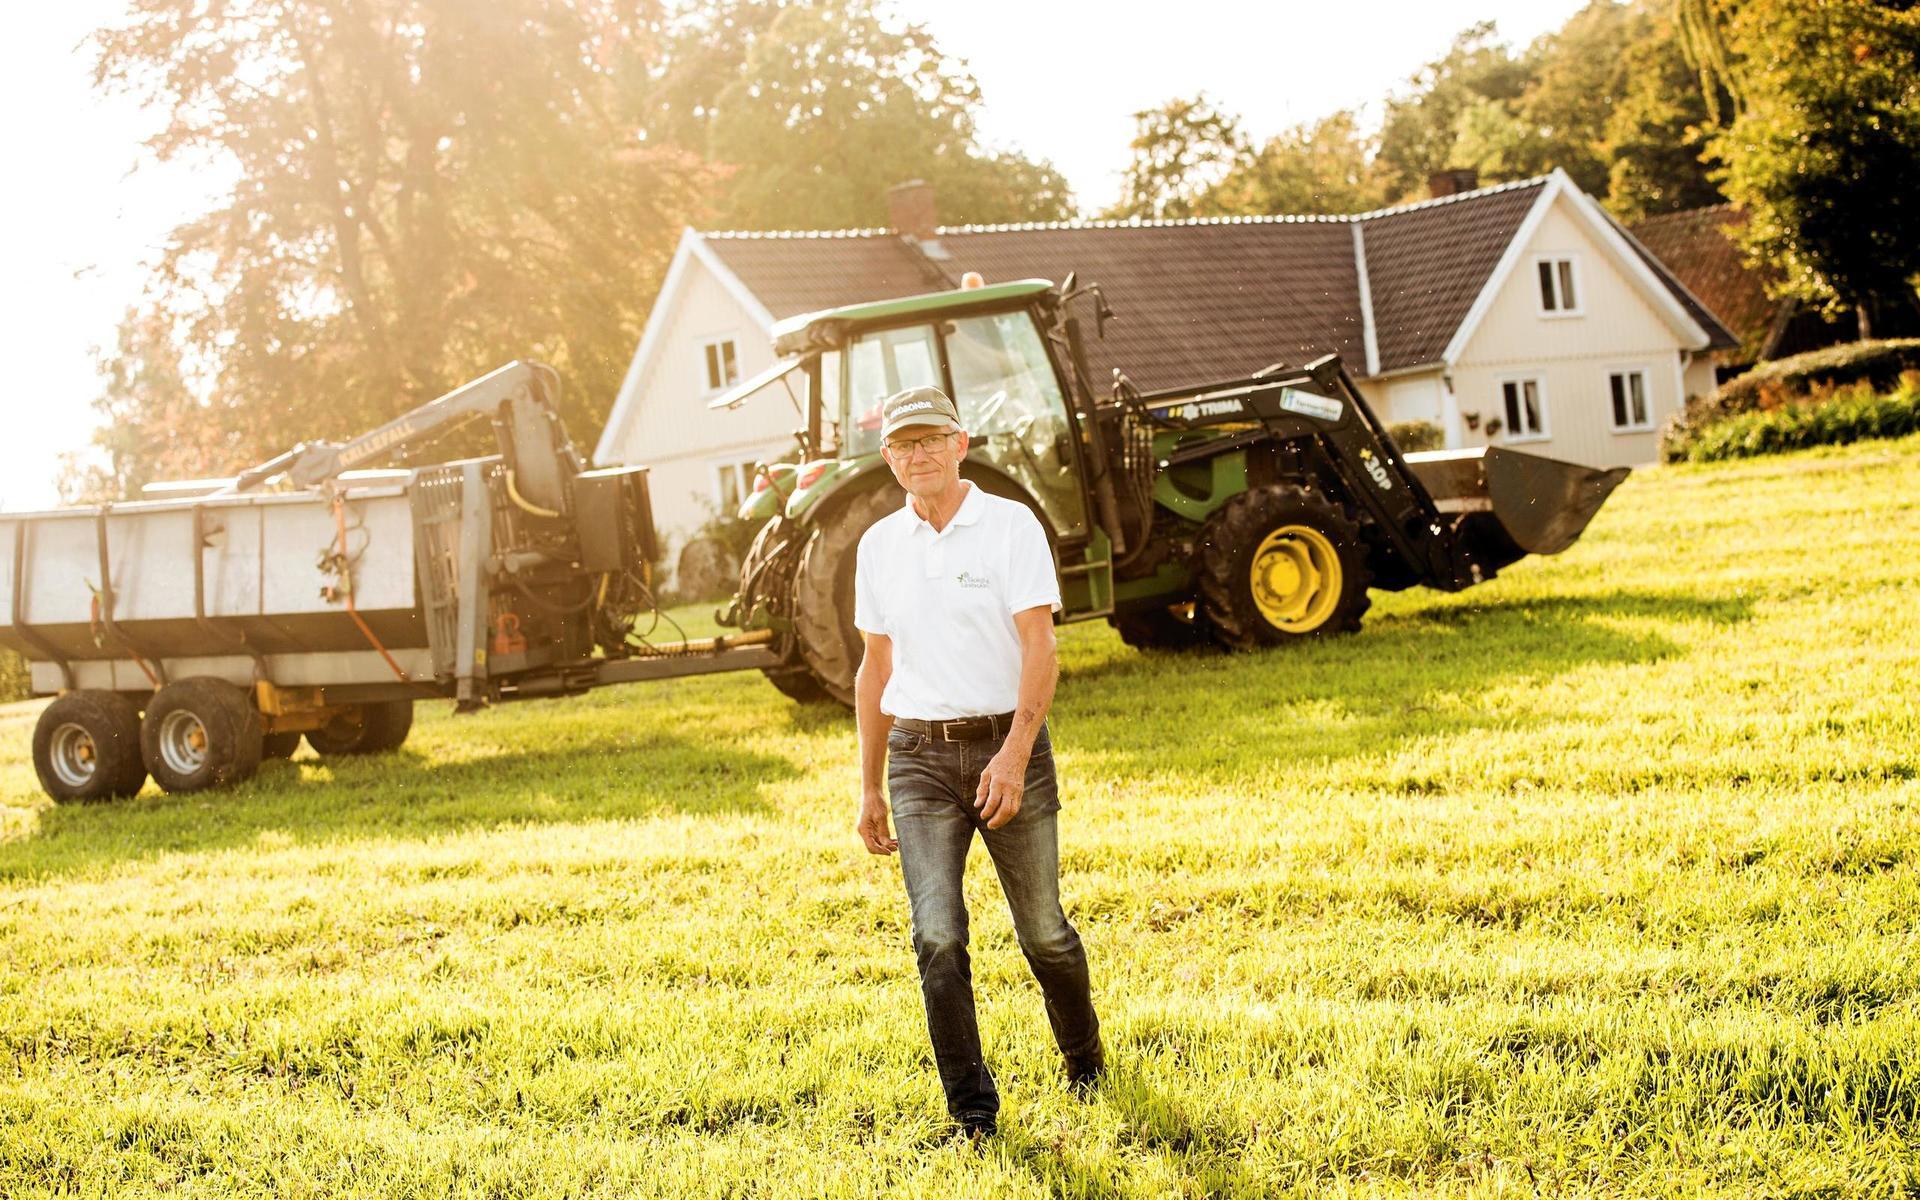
[86,746]
[372,728]
[1158,629]
[200,733]
[279,745]
[823,590]
[1234,539]
[797,683]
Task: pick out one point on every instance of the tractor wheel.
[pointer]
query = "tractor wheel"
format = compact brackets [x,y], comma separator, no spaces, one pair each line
[86,746]
[279,745]
[376,728]
[1158,629]
[1279,563]
[823,591]
[200,733]
[797,683]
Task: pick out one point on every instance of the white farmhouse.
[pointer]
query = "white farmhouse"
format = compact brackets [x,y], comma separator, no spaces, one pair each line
[1518,314]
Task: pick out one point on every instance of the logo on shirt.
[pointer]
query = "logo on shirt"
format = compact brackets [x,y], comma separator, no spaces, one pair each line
[967,579]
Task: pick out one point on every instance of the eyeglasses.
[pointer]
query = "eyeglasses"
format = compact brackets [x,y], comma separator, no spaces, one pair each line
[931,443]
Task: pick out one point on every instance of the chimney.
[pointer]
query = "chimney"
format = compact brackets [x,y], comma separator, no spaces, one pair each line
[1451,181]
[911,209]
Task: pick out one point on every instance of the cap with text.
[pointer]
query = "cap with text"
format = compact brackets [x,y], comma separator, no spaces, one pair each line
[916,406]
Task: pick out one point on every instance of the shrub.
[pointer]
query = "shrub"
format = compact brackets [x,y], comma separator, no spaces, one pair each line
[1414,436]
[1848,415]
[1877,365]
[13,677]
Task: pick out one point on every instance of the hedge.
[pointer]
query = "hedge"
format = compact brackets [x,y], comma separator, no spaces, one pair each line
[1414,436]
[13,677]
[1877,365]
[1849,415]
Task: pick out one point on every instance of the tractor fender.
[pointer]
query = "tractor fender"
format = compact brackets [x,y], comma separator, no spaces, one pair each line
[835,477]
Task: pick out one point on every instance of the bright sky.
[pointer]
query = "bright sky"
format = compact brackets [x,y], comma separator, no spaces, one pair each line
[85,214]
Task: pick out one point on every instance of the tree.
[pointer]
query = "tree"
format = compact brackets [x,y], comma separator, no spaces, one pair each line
[152,426]
[1655,138]
[1421,127]
[814,111]
[1181,150]
[425,188]
[1320,167]
[1822,146]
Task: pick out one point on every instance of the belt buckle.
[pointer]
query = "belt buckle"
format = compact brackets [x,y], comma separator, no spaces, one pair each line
[946,731]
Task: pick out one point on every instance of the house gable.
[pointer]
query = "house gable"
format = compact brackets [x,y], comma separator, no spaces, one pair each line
[1562,199]
[695,269]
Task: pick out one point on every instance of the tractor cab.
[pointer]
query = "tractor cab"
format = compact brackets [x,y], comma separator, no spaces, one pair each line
[986,347]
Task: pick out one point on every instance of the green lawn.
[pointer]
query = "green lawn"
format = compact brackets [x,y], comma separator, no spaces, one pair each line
[1603,878]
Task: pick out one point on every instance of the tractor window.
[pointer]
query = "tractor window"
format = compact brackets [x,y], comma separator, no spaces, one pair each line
[878,365]
[1002,381]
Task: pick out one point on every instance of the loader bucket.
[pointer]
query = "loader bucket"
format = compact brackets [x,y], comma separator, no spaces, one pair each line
[1515,503]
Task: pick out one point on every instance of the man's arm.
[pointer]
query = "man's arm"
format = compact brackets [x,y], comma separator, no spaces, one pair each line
[876,667]
[1004,782]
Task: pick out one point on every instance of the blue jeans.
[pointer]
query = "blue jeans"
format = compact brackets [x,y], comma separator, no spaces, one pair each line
[931,786]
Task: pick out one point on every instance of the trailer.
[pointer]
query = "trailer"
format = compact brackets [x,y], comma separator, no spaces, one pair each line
[187,637]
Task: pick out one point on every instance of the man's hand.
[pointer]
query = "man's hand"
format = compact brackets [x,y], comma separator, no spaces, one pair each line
[1003,784]
[872,825]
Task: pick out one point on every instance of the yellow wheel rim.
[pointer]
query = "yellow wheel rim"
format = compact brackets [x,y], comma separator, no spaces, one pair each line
[1296,578]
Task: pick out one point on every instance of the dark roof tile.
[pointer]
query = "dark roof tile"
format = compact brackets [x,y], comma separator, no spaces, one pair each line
[1427,264]
[1694,250]
[1196,300]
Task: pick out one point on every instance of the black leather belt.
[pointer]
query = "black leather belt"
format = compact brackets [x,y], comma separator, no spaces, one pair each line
[959,729]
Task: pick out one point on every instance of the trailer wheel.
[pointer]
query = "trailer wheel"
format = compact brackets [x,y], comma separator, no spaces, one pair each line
[823,591]
[86,746]
[375,728]
[1159,629]
[200,733]
[279,745]
[1279,563]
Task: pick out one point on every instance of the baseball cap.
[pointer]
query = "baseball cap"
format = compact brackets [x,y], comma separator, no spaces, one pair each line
[916,406]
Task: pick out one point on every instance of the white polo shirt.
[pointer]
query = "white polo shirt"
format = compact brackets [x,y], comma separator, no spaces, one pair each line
[947,601]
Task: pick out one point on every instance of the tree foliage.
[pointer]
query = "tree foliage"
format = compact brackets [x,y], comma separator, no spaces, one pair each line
[1323,166]
[1418,135]
[424,189]
[1821,146]
[1180,151]
[428,188]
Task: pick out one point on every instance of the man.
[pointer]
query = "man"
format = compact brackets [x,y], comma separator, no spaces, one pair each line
[955,595]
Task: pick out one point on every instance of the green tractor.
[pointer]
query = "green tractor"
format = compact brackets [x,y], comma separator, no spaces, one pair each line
[1243,513]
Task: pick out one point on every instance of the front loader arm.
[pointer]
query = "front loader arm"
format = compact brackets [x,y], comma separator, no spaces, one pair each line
[1319,404]
[519,397]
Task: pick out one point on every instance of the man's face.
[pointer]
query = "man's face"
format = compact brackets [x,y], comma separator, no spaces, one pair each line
[926,460]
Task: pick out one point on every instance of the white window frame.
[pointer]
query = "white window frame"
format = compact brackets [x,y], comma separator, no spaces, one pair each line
[1539,383]
[1579,307]
[1645,372]
[706,378]
[742,470]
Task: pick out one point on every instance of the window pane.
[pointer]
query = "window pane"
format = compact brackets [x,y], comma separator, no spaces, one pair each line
[1532,393]
[1510,392]
[714,382]
[1002,380]
[729,365]
[1567,298]
[878,365]
[1618,383]
[1546,287]
[1639,386]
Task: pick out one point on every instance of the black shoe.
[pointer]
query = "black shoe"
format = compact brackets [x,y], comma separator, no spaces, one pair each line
[1085,1071]
[975,1128]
